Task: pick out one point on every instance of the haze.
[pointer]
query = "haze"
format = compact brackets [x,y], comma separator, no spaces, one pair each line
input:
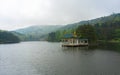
[16,14]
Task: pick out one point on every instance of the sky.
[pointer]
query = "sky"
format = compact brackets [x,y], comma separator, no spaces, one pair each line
[15,14]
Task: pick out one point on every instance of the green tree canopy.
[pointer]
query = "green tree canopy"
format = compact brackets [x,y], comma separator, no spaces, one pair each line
[87,31]
[7,37]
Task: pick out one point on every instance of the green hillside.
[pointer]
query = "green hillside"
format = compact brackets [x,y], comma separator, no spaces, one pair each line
[35,33]
[113,17]
[8,37]
[107,28]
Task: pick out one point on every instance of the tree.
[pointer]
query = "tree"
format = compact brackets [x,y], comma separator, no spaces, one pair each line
[88,32]
[7,37]
[117,33]
[52,36]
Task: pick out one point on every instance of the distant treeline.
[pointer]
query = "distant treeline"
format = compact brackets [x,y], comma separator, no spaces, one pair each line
[8,37]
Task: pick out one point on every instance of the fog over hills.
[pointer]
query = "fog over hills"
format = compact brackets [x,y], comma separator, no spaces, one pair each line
[42,29]
[38,31]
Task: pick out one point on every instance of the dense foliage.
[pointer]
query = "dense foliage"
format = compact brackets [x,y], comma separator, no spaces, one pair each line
[108,30]
[104,28]
[87,31]
[7,37]
[35,33]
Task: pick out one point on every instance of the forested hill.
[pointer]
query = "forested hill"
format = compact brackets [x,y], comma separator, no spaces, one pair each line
[112,18]
[107,28]
[35,33]
[8,37]
[38,29]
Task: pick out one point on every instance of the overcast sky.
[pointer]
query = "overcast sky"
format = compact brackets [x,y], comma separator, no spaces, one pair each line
[15,14]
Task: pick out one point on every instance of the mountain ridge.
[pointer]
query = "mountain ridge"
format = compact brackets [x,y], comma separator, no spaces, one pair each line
[111,17]
[36,32]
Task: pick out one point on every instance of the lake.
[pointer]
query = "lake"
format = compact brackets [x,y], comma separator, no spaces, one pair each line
[46,58]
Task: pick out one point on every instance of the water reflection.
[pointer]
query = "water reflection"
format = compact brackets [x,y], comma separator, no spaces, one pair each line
[110,46]
[44,58]
[75,48]
[101,46]
[79,50]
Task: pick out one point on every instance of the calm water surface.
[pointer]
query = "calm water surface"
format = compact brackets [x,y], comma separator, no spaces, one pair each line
[45,58]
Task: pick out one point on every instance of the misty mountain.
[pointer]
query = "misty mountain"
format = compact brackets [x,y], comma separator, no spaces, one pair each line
[36,32]
[42,31]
